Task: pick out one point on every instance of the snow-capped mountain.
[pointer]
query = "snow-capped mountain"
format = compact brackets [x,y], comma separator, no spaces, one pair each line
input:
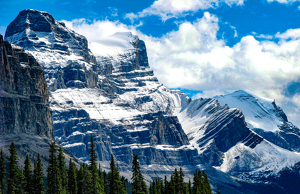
[116,97]
[265,118]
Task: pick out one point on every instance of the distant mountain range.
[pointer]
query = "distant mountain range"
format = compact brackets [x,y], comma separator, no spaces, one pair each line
[244,142]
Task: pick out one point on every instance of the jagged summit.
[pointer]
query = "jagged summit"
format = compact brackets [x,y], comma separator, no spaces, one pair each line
[38,32]
[265,118]
[118,99]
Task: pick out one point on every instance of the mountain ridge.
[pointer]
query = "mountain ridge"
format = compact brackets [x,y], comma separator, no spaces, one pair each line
[118,99]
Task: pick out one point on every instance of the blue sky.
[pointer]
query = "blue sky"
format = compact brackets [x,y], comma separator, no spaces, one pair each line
[212,46]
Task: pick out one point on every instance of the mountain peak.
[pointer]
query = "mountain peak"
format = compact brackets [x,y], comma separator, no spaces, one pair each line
[38,31]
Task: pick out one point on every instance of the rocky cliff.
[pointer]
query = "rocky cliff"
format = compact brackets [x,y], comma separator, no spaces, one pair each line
[24,99]
[116,97]
[25,114]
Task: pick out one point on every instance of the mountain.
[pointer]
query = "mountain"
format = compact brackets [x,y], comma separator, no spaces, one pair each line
[116,97]
[25,114]
[265,118]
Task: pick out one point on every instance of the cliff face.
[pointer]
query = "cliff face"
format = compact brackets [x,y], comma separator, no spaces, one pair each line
[24,105]
[116,97]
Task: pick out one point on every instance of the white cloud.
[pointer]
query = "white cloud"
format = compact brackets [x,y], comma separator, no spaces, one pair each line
[283,1]
[173,8]
[192,57]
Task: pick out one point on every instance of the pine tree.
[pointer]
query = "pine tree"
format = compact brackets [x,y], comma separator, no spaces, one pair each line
[105,182]
[83,180]
[86,180]
[96,187]
[54,185]
[190,186]
[114,181]
[206,186]
[62,170]
[79,176]
[101,178]
[72,182]
[12,187]
[138,184]
[38,176]
[2,172]
[28,176]
[181,181]
[20,182]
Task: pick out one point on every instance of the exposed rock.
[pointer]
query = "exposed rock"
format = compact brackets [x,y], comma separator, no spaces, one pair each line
[23,94]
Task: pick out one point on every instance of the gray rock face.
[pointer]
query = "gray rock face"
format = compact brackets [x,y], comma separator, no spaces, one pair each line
[24,94]
[118,99]
[69,62]
[266,119]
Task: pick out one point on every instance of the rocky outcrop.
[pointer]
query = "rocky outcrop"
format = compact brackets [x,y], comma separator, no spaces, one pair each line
[117,99]
[63,54]
[23,94]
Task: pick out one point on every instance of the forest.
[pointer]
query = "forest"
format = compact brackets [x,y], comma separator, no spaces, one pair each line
[89,178]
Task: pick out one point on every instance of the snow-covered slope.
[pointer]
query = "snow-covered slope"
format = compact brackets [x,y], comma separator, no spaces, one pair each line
[116,97]
[265,118]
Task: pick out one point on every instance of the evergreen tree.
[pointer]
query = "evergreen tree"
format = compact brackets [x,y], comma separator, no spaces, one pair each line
[86,180]
[96,187]
[123,185]
[20,182]
[197,182]
[38,176]
[181,181]
[79,177]
[101,178]
[206,186]
[72,182]
[105,182]
[28,177]
[177,183]
[166,188]
[190,186]
[138,184]
[54,185]
[114,181]
[62,170]
[83,180]
[2,172]
[12,187]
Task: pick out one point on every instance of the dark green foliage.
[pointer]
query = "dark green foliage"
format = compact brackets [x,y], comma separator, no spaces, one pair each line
[20,182]
[2,172]
[54,184]
[105,182]
[156,186]
[206,185]
[138,184]
[72,182]
[12,187]
[176,185]
[190,186]
[96,187]
[28,176]
[83,180]
[115,185]
[38,176]
[62,170]
[201,184]
[101,178]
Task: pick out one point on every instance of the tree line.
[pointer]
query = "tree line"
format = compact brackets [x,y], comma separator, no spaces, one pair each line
[88,178]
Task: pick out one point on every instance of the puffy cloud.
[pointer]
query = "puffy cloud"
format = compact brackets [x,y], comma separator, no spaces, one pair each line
[192,57]
[173,8]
